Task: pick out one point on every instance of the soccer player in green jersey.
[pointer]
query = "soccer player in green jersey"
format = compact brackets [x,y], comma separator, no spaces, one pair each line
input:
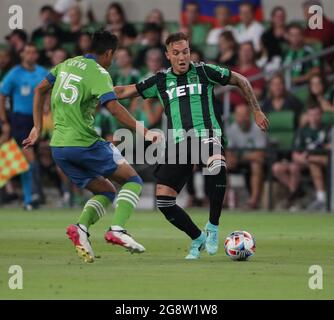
[78,84]
[186,92]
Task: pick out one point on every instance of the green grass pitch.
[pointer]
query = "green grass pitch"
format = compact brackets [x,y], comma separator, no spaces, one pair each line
[287,245]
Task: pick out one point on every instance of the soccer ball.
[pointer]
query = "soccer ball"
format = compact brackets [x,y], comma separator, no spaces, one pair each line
[240,245]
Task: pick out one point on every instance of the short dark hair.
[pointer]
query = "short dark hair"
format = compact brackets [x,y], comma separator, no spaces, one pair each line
[103,40]
[127,50]
[46,8]
[174,37]
[295,25]
[152,27]
[276,9]
[30,44]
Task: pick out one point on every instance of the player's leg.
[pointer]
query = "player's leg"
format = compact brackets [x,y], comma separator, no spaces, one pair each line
[316,164]
[171,179]
[94,209]
[71,160]
[216,166]
[213,158]
[27,180]
[126,202]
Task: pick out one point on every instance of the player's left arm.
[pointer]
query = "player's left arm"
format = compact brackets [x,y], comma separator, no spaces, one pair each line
[124,117]
[244,85]
[40,95]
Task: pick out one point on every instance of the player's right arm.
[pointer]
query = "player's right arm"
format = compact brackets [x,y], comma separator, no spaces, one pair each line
[146,88]
[39,98]
[40,94]
[129,91]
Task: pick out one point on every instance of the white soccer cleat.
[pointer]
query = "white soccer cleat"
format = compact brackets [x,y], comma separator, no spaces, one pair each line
[118,236]
[79,237]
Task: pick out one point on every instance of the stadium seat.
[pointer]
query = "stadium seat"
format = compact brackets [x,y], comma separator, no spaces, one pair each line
[281,129]
[328,119]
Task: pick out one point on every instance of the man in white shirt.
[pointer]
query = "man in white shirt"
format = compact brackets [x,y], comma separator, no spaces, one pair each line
[248,29]
[223,20]
[62,7]
[246,145]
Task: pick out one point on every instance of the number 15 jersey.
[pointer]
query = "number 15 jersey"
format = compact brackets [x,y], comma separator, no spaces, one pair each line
[79,84]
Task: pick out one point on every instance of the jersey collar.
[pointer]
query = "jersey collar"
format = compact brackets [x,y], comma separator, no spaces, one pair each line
[191,65]
[90,56]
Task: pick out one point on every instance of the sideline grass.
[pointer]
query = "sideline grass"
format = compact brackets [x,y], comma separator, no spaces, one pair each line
[287,245]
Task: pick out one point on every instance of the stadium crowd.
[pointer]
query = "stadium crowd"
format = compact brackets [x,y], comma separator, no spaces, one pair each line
[301,114]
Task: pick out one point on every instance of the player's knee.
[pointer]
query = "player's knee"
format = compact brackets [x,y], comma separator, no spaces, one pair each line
[110,195]
[136,179]
[165,204]
[217,166]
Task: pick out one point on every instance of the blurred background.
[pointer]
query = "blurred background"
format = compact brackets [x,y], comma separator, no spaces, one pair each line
[290,66]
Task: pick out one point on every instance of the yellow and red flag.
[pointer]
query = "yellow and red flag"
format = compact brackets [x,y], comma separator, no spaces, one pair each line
[12,161]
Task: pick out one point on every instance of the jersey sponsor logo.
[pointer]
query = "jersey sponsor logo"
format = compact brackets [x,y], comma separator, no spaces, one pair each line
[176,92]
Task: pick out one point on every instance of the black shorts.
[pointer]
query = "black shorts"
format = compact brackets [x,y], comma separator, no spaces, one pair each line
[179,163]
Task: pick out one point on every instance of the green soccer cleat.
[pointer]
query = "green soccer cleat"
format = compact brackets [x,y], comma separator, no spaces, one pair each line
[196,247]
[212,239]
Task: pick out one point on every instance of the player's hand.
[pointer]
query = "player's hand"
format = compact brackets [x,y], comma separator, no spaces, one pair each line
[154,136]
[31,140]
[261,120]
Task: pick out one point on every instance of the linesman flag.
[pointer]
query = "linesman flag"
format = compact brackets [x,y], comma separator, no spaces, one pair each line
[12,161]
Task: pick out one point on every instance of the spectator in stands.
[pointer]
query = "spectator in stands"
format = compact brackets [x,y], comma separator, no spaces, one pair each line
[156,16]
[151,39]
[17,39]
[324,35]
[247,67]
[59,56]
[243,137]
[48,20]
[50,45]
[274,38]
[228,49]
[19,85]
[223,23]
[126,74]
[152,109]
[248,29]
[62,8]
[75,24]
[268,60]
[6,63]
[310,143]
[116,19]
[279,99]
[84,44]
[302,71]
[320,93]
[197,29]
[128,36]
[196,55]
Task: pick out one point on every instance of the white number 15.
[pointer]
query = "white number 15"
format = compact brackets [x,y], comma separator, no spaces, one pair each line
[66,78]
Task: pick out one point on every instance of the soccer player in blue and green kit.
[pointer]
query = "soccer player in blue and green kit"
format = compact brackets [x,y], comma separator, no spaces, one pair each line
[78,84]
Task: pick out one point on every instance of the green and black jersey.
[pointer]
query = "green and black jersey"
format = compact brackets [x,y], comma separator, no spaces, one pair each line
[188,99]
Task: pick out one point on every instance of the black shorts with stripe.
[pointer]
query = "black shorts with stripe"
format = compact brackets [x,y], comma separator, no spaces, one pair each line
[181,159]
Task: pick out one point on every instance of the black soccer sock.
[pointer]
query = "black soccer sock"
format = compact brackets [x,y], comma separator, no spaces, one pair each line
[177,216]
[217,179]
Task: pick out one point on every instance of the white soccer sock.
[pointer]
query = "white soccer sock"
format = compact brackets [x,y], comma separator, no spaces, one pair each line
[321,196]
